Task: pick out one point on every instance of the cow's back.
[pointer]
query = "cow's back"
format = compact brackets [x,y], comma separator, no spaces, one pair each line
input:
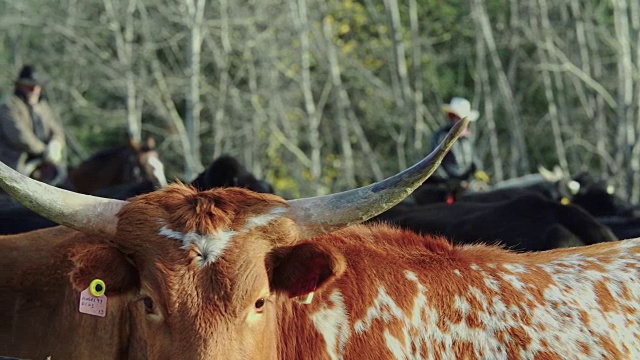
[479,302]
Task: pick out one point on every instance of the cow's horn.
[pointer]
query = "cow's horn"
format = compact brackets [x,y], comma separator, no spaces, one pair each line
[84,213]
[323,214]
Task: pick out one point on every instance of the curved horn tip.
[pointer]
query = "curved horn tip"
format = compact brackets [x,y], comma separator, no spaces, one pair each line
[322,214]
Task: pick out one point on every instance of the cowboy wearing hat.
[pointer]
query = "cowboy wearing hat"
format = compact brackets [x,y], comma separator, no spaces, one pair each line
[460,163]
[30,132]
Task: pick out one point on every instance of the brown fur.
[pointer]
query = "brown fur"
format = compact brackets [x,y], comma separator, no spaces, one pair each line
[102,261]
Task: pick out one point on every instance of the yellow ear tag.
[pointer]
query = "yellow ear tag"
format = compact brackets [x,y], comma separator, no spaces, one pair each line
[92,299]
[565,201]
[97,287]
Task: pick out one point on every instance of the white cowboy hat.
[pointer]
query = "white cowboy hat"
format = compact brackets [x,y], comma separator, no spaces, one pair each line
[461,107]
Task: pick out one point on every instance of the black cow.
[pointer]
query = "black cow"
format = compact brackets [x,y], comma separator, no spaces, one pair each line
[528,223]
[598,197]
[225,171]
[15,219]
[585,190]
[551,186]
[624,227]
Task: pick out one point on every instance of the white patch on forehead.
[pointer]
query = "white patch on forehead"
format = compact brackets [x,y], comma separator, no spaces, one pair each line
[171,234]
[212,246]
[264,219]
[158,170]
[334,325]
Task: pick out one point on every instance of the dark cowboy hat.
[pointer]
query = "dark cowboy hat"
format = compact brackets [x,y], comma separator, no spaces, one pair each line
[30,77]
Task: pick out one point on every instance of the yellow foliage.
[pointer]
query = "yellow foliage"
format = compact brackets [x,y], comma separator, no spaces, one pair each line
[286,184]
[307,175]
[349,46]
[373,63]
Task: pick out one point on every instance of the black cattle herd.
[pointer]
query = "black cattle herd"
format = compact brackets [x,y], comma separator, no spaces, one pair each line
[524,216]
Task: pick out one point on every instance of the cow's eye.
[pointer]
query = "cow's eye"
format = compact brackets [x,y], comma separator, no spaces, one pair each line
[260,303]
[148,305]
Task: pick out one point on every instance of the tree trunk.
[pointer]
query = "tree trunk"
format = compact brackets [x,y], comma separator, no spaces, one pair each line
[193,108]
[518,152]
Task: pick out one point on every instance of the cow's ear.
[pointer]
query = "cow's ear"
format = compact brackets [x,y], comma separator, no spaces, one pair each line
[104,262]
[303,268]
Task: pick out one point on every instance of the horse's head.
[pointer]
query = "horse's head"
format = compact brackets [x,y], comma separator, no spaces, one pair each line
[131,163]
[144,162]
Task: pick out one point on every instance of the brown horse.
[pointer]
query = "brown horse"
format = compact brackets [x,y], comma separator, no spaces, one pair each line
[133,162]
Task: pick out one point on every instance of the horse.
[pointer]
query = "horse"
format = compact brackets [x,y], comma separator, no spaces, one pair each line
[123,164]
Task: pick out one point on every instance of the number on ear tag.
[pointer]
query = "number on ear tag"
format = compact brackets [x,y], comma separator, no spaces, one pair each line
[92,305]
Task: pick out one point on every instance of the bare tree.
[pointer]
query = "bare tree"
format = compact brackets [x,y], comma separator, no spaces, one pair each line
[161,96]
[519,159]
[302,25]
[627,133]
[489,110]
[194,22]
[123,35]
[543,29]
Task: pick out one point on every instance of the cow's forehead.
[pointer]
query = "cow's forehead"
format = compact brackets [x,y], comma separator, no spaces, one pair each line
[212,244]
[207,221]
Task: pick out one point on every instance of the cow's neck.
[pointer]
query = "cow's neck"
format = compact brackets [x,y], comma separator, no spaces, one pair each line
[42,305]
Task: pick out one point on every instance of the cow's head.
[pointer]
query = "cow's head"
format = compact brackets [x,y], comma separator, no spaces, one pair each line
[207,272]
[591,193]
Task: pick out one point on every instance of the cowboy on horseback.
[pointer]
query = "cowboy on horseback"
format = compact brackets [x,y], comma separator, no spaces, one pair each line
[32,140]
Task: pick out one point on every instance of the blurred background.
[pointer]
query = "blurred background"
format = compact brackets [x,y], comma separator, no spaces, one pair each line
[321,96]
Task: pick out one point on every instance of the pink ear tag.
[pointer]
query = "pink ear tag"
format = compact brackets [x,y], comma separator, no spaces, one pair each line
[92,299]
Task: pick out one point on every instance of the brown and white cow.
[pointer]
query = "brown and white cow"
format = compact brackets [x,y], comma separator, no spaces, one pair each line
[226,273]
